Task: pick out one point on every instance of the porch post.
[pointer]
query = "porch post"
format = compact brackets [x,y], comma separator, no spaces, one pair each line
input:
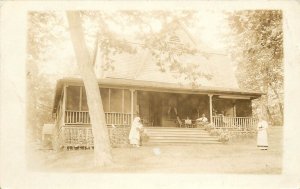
[132,93]
[109,100]
[123,100]
[234,108]
[210,107]
[64,103]
[80,98]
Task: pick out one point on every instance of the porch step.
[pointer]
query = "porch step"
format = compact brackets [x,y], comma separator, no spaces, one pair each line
[170,142]
[168,123]
[175,135]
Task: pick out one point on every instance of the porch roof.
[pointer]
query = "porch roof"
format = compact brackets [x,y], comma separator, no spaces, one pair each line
[156,87]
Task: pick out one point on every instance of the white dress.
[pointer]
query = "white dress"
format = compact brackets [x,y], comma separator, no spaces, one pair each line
[262,136]
[134,134]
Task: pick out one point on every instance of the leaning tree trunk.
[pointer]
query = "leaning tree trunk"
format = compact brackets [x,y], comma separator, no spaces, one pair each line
[102,149]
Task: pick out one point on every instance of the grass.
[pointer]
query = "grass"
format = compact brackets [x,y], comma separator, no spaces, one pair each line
[240,156]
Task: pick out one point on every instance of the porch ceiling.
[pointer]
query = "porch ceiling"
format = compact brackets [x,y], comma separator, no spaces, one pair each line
[157,87]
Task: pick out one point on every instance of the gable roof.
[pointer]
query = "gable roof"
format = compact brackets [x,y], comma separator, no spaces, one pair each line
[142,65]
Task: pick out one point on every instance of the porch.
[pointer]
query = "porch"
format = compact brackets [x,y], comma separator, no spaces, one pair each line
[158,106]
[76,133]
[117,119]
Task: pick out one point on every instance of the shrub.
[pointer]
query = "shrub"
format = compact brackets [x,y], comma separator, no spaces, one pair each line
[224,136]
[209,127]
[214,132]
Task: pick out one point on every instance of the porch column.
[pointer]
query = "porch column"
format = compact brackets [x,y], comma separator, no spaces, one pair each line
[210,107]
[64,105]
[80,99]
[132,93]
[109,99]
[123,94]
[234,108]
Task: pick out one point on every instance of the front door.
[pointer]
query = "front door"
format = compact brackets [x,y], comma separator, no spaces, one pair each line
[156,108]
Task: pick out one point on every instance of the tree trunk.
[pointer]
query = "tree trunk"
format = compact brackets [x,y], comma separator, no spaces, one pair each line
[102,149]
[279,100]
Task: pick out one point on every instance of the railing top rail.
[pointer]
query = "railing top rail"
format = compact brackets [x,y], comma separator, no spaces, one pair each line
[90,126]
[236,117]
[76,111]
[104,112]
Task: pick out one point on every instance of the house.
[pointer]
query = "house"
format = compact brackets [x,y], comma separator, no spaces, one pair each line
[157,103]
[137,87]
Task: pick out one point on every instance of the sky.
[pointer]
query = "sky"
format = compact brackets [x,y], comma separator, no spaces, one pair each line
[209,28]
[212,27]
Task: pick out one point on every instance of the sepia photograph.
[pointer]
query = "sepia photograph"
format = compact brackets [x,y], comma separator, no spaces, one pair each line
[175,91]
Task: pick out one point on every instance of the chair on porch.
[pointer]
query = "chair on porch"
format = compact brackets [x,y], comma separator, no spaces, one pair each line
[179,122]
[188,123]
[146,122]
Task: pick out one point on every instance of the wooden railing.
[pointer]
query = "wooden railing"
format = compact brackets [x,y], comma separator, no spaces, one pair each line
[77,117]
[117,118]
[83,118]
[244,123]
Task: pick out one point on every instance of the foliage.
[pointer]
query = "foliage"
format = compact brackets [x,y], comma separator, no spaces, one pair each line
[258,51]
[224,136]
[45,31]
[49,48]
[214,132]
[167,45]
[209,127]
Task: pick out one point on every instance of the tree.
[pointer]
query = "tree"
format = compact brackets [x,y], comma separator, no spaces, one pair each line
[102,149]
[45,31]
[88,28]
[258,50]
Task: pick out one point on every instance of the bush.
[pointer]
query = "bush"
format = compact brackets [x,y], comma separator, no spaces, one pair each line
[214,132]
[224,136]
[209,127]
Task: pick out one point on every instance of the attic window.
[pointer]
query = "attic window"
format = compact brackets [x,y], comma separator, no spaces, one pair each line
[174,39]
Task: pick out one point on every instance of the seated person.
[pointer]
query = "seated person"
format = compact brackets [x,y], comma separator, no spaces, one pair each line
[202,120]
[188,122]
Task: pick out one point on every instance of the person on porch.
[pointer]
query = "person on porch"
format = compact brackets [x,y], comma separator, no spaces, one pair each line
[188,122]
[172,105]
[135,132]
[262,135]
[202,121]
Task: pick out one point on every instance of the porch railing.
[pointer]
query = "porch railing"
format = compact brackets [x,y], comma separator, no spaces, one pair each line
[83,118]
[117,118]
[77,117]
[243,123]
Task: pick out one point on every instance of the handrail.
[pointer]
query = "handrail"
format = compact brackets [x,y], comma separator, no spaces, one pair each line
[244,123]
[83,118]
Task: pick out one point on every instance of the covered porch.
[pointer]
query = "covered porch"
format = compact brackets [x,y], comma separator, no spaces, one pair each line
[158,105]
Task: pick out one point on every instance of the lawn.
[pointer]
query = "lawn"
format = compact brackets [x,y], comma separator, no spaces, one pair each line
[239,156]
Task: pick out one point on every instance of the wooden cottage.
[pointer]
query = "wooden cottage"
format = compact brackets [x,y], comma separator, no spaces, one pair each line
[157,103]
[138,87]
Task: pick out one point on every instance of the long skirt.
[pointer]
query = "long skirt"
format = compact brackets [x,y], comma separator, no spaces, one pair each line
[134,141]
[262,139]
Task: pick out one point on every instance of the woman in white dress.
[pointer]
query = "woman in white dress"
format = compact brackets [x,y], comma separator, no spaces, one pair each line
[262,135]
[135,132]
